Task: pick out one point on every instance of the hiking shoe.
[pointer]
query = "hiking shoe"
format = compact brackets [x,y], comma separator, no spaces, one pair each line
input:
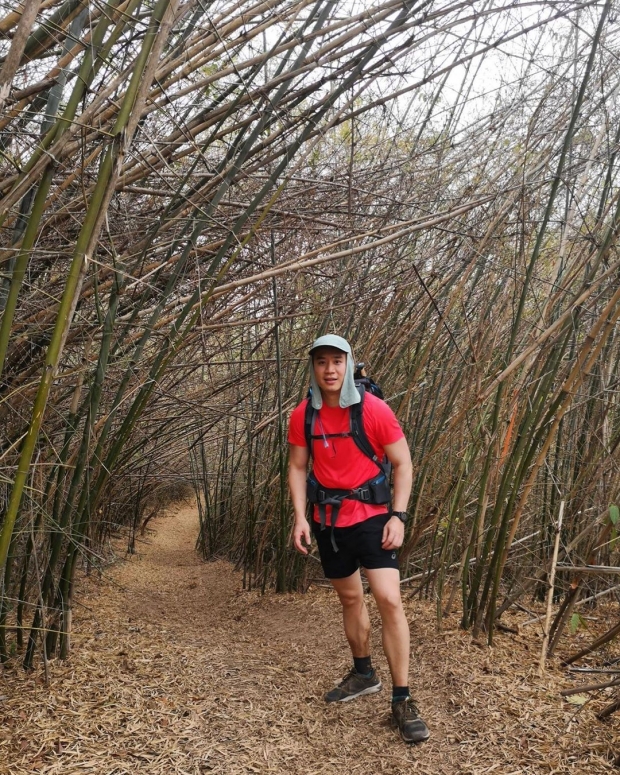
[353,685]
[406,717]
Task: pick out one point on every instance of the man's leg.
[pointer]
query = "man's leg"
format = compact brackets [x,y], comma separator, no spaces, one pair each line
[385,587]
[354,613]
[362,679]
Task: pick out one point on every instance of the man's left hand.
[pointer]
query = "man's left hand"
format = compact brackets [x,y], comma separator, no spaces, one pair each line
[393,534]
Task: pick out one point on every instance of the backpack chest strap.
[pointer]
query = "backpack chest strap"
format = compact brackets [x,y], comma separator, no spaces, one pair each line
[319,436]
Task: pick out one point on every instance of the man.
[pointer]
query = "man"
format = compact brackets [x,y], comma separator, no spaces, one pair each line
[365,533]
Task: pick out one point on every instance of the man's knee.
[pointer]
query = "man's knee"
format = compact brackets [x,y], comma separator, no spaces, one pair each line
[389,602]
[351,598]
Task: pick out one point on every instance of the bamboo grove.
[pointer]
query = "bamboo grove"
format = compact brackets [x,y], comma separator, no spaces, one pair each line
[191,191]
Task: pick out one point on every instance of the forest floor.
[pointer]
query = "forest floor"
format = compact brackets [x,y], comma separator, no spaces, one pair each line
[176,669]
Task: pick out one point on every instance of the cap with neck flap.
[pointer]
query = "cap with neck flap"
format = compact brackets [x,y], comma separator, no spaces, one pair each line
[349,394]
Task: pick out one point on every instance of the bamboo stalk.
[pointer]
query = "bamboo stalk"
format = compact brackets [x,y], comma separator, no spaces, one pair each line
[13,58]
[550,589]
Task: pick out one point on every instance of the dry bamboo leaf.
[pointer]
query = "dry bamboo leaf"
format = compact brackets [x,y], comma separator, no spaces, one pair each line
[577,699]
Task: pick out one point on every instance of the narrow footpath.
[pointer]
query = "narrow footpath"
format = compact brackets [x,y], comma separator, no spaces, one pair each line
[176,669]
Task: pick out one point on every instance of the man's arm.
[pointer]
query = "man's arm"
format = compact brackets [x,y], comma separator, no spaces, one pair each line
[399,456]
[297,466]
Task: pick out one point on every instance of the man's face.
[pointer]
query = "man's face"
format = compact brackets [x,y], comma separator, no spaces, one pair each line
[329,369]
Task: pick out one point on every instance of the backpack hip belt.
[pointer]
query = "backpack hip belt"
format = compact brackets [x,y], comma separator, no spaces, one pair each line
[374,491]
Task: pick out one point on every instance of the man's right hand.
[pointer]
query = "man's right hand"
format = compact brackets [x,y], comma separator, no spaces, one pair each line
[301,535]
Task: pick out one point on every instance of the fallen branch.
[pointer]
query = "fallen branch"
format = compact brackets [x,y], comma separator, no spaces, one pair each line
[589,687]
[609,635]
[605,569]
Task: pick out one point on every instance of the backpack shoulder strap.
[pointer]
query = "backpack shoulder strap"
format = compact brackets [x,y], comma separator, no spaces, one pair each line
[358,432]
[356,420]
[309,418]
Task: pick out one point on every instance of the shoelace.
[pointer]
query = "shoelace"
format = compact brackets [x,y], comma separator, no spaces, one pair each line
[353,672]
[411,710]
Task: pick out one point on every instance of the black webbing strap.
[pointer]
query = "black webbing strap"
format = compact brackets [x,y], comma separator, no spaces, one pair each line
[309,419]
[335,503]
[362,442]
[334,498]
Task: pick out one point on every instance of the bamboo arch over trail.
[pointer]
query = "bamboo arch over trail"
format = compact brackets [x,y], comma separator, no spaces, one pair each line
[188,196]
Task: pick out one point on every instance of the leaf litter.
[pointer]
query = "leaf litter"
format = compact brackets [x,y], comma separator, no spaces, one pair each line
[175,670]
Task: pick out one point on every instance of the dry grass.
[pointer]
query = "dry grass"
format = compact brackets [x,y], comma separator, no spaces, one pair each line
[176,670]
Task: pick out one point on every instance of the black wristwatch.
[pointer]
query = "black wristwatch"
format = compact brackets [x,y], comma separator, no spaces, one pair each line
[402,515]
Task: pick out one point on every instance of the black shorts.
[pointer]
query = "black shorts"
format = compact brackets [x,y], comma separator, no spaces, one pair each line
[358,545]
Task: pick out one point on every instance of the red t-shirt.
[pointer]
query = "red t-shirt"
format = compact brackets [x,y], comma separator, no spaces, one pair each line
[338,462]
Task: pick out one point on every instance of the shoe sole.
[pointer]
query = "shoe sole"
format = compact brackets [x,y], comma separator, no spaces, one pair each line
[415,742]
[410,742]
[369,690]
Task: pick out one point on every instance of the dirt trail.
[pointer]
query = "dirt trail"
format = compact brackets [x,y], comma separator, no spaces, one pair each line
[175,669]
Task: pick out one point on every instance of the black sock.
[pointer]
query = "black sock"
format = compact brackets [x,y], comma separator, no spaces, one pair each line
[363,665]
[399,693]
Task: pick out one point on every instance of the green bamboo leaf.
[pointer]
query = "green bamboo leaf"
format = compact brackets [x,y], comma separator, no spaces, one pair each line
[614,514]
